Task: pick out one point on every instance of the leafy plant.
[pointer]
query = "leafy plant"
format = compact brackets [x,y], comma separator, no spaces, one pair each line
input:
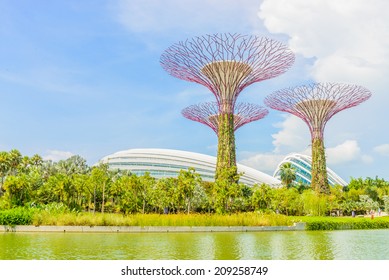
[17,216]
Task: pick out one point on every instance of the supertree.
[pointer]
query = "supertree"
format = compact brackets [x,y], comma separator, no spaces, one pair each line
[226,64]
[208,113]
[315,104]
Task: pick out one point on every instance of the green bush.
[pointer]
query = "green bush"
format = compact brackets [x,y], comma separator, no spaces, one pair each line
[16,216]
[327,223]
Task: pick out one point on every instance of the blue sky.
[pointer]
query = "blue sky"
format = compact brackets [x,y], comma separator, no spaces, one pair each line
[83,77]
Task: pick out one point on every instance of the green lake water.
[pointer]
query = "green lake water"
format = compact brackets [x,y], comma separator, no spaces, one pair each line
[319,245]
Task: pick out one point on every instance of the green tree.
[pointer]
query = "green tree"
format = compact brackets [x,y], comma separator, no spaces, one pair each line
[287,174]
[36,160]
[147,182]
[386,203]
[99,182]
[127,193]
[80,188]
[73,165]
[53,189]
[4,168]
[261,197]
[300,186]
[15,159]
[163,197]
[286,201]
[367,203]
[17,190]
[187,182]
[226,189]
[313,203]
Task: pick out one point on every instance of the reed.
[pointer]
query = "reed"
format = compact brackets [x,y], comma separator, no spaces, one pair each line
[341,223]
[98,219]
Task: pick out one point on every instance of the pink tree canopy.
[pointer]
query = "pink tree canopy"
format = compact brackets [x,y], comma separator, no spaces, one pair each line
[208,114]
[227,63]
[316,103]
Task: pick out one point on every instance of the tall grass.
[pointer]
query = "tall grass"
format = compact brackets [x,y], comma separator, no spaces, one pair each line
[98,219]
[339,223]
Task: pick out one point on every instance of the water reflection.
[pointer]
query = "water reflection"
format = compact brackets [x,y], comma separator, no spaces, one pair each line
[348,245]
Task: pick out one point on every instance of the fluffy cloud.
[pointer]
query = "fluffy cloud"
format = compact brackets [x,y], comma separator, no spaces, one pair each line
[382,149]
[56,155]
[264,162]
[349,39]
[292,137]
[347,151]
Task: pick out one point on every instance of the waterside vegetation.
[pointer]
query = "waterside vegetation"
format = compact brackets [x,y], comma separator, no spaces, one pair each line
[69,192]
[60,216]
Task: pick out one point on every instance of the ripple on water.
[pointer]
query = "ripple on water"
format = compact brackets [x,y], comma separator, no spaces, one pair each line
[319,245]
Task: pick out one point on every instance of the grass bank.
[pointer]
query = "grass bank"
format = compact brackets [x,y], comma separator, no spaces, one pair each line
[341,223]
[23,216]
[98,219]
[31,216]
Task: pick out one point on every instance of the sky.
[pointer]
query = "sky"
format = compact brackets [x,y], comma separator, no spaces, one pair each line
[84,78]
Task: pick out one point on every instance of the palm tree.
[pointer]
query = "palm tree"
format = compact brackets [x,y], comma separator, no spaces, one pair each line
[4,168]
[287,174]
[36,160]
[15,159]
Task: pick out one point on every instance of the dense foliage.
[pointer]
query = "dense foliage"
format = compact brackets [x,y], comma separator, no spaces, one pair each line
[330,223]
[17,216]
[33,183]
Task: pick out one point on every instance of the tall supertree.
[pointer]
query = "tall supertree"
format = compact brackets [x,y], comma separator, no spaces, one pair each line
[315,104]
[208,113]
[226,64]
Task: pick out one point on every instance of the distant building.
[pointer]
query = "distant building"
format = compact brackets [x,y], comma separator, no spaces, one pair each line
[162,163]
[303,166]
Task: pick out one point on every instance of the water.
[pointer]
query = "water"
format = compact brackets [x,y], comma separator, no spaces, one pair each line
[321,245]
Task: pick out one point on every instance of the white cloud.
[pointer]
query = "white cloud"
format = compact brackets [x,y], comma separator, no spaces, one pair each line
[264,162]
[293,136]
[382,149]
[56,155]
[345,152]
[348,151]
[349,39]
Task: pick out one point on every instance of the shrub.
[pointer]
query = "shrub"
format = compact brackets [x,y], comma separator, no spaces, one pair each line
[327,223]
[16,216]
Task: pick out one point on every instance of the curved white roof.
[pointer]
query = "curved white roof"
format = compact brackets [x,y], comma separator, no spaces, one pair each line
[303,166]
[168,163]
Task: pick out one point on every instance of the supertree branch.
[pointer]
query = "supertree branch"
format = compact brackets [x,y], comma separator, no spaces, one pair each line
[208,113]
[315,104]
[248,112]
[227,63]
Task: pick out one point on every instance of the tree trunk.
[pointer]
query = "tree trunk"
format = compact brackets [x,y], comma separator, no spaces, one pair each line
[226,154]
[188,206]
[143,206]
[94,200]
[319,169]
[102,203]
